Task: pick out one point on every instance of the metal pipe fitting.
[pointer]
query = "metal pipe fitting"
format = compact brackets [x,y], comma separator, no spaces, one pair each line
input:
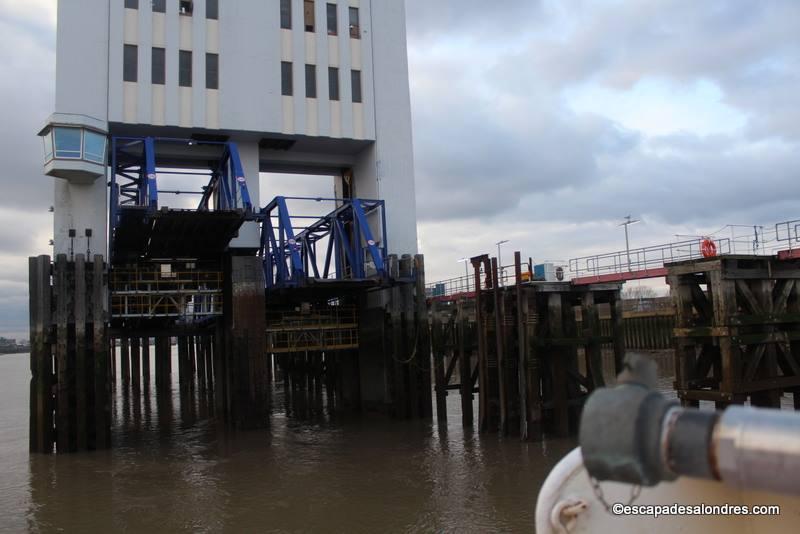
[633,434]
[757,449]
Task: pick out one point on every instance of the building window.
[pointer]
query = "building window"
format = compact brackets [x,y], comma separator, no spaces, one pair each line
[68,143]
[186,7]
[64,142]
[333,83]
[308,15]
[333,21]
[185,68]
[355,79]
[212,71]
[287,88]
[212,9]
[159,6]
[132,4]
[286,14]
[355,26]
[311,81]
[159,70]
[94,147]
[130,63]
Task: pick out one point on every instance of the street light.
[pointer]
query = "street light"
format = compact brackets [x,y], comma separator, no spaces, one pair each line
[628,222]
[465,261]
[499,260]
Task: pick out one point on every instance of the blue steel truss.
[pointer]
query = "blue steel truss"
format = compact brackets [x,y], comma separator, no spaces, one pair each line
[355,250]
[134,180]
[135,164]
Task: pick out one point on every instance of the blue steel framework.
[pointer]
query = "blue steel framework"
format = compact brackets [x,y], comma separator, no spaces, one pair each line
[134,177]
[289,252]
[291,258]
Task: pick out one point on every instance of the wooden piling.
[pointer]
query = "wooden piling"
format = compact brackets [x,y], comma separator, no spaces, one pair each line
[465,368]
[41,412]
[136,364]
[102,378]
[146,361]
[64,365]
[81,364]
[423,349]
[439,350]
[522,348]
[499,335]
[125,361]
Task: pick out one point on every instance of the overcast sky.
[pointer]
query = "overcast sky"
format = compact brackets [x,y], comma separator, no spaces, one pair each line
[541,122]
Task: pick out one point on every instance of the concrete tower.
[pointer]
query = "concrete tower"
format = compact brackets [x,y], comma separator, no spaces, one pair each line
[302,86]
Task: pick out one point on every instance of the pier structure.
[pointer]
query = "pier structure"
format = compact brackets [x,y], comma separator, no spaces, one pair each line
[531,350]
[167,255]
[736,329]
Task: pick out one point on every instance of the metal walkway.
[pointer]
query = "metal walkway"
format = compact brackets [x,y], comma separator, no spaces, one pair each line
[639,263]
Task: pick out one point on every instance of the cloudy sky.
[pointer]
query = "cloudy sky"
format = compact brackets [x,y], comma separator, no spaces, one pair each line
[540,122]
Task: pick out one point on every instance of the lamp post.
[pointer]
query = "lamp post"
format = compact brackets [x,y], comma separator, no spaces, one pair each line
[499,260]
[465,261]
[628,222]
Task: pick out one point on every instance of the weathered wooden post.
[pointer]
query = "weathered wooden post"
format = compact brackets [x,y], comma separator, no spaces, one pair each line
[41,407]
[245,404]
[522,347]
[146,360]
[136,367]
[423,370]
[461,325]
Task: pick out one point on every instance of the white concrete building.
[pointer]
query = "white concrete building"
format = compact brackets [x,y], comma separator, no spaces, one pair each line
[303,86]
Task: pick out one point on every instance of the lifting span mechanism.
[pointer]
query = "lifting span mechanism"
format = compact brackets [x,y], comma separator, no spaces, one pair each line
[141,228]
[353,236]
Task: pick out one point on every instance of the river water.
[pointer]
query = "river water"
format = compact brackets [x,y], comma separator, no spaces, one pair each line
[172,469]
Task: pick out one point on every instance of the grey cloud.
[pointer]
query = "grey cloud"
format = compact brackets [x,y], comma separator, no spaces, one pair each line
[476,18]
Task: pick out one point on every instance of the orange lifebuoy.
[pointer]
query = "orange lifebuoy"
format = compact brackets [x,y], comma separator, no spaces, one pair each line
[708,248]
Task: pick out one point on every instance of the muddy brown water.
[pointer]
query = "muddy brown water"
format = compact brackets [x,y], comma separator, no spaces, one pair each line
[172,469]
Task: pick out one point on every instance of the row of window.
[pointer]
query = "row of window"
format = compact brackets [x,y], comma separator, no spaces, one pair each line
[287,84]
[186,7]
[158,74]
[309,19]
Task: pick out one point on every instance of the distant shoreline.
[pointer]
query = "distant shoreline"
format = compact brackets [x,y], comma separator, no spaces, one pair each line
[22,350]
